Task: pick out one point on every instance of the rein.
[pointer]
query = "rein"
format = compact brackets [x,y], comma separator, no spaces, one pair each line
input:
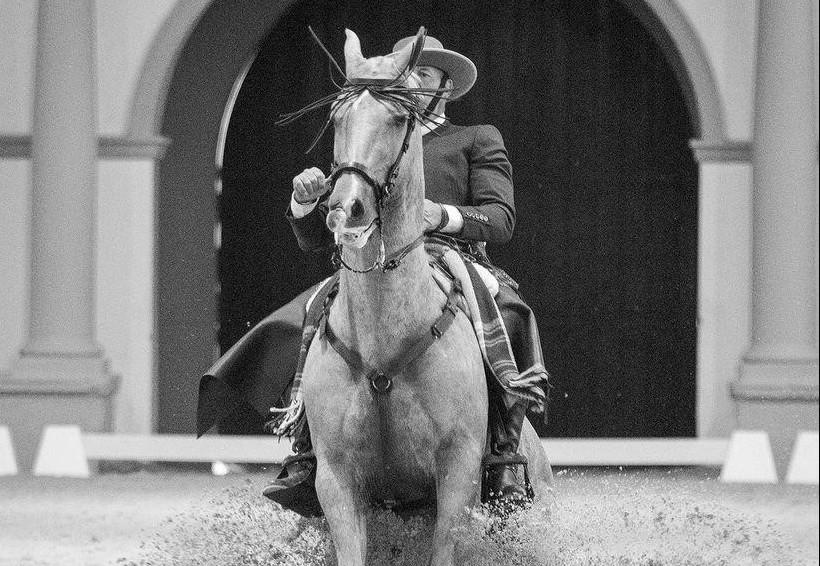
[384,264]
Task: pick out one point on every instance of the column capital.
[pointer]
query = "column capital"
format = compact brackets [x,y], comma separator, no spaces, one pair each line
[721,151]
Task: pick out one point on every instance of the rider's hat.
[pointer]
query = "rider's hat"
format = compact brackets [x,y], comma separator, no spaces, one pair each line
[456,65]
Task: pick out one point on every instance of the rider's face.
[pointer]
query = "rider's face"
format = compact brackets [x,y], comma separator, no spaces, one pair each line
[428,77]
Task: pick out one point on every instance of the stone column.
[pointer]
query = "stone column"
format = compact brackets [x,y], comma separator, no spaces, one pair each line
[778,385]
[61,375]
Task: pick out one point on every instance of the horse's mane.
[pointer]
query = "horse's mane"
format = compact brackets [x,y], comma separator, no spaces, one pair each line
[391,90]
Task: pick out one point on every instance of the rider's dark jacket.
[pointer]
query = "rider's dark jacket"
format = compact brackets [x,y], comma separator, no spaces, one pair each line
[465,166]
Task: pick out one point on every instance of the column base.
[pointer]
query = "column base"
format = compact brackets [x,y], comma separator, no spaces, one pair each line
[48,390]
[780,397]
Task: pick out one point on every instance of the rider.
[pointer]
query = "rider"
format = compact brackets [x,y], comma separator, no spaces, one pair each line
[469,199]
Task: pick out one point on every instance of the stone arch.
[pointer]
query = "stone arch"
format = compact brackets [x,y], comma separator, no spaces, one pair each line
[186,82]
[684,51]
[663,18]
[151,93]
[189,75]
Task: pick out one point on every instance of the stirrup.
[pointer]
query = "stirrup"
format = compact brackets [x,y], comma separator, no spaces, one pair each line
[491,461]
[299,497]
[307,455]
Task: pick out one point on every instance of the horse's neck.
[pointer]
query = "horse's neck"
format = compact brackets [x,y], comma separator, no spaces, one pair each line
[382,312]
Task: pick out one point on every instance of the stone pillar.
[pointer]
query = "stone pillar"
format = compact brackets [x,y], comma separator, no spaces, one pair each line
[778,385]
[61,375]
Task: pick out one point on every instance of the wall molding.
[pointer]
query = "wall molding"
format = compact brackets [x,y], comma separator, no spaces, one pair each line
[18,146]
[790,391]
[722,151]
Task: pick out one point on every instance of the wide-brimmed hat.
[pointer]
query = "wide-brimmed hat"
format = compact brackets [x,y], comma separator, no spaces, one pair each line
[456,65]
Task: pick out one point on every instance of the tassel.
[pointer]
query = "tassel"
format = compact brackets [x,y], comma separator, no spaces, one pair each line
[285,420]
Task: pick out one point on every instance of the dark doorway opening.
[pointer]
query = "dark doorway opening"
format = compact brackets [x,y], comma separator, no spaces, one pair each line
[606,190]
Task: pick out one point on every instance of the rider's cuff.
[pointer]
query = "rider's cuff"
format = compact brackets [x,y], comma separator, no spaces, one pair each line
[455,222]
[300,210]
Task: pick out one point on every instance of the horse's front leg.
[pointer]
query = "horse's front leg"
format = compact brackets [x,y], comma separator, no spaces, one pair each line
[346,515]
[457,485]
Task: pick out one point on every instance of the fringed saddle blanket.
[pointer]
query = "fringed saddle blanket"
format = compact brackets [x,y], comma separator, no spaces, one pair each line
[479,286]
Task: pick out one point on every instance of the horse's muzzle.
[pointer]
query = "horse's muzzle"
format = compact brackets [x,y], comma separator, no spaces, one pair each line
[347,214]
[349,232]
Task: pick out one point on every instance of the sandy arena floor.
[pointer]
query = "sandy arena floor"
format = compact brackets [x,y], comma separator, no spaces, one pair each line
[600,517]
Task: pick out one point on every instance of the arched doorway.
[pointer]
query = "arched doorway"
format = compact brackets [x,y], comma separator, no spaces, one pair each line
[597,129]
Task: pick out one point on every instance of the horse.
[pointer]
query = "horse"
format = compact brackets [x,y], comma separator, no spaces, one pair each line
[397,405]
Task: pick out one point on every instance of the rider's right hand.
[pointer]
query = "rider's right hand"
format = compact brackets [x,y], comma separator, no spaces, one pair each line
[309,185]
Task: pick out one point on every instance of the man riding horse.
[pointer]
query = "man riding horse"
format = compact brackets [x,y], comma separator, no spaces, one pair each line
[468,203]
[469,198]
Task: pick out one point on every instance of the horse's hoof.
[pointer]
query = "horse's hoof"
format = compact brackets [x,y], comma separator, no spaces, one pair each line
[295,489]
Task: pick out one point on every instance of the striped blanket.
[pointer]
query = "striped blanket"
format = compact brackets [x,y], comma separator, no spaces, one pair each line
[530,384]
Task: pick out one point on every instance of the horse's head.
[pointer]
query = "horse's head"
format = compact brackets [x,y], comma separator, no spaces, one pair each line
[373,131]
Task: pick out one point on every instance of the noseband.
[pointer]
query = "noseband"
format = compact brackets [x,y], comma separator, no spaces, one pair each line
[382,191]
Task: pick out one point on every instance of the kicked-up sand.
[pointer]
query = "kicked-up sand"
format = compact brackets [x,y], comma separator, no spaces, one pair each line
[630,517]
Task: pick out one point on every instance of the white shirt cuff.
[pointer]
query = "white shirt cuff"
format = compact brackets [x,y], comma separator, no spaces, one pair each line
[300,210]
[456,221]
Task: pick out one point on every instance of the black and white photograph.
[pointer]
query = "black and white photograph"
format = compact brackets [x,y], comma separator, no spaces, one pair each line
[409,283]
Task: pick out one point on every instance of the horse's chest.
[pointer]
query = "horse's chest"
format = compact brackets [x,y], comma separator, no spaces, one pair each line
[388,433]
[396,438]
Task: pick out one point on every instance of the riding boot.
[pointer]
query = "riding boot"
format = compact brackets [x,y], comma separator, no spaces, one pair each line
[295,486]
[505,472]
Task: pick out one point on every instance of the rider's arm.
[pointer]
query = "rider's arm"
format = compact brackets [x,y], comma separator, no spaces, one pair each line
[309,225]
[490,217]
[300,210]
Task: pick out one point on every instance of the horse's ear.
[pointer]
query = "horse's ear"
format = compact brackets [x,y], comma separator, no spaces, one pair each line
[406,58]
[353,52]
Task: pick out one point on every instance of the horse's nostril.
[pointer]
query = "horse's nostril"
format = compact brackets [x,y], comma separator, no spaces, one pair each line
[336,219]
[356,209]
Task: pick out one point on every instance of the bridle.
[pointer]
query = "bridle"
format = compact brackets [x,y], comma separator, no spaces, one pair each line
[383,89]
[382,191]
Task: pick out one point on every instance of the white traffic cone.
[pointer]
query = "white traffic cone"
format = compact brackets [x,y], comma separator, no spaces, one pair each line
[749,458]
[803,467]
[8,461]
[61,453]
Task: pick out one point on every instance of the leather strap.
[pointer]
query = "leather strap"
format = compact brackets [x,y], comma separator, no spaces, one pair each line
[381,190]
[355,360]
[380,381]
